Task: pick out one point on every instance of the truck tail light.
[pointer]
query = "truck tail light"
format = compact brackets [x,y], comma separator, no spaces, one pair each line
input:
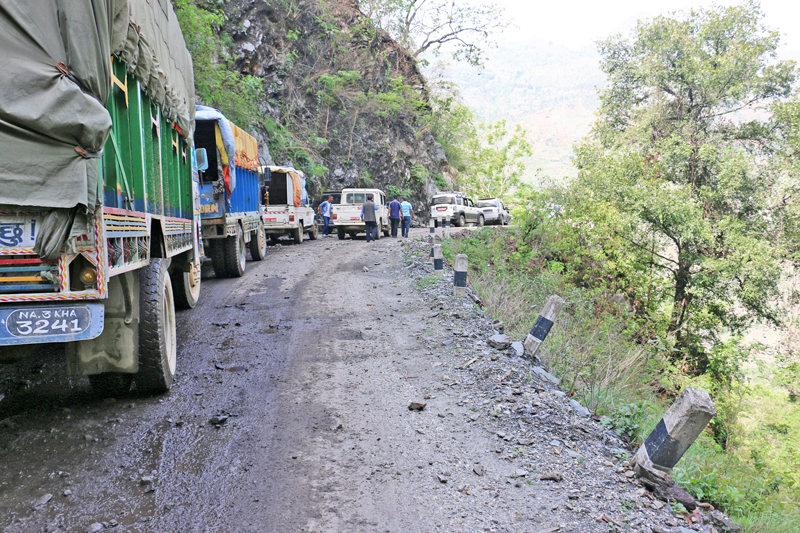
[291,218]
[88,276]
[335,216]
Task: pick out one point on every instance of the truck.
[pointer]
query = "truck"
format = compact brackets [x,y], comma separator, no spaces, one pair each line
[287,211]
[346,215]
[99,222]
[230,194]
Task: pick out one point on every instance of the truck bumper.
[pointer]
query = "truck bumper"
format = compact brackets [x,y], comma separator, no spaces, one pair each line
[39,324]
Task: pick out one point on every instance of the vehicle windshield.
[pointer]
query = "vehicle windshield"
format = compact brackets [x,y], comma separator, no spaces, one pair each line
[486,203]
[443,200]
[355,198]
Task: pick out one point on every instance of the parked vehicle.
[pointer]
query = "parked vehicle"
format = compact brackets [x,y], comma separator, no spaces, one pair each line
[346,216]
[456,206]
[494,211]
[286,212]
[99,222]
[230,194]
[337,197]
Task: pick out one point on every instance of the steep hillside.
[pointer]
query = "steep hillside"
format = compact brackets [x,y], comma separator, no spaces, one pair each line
[340,99]
[547,88]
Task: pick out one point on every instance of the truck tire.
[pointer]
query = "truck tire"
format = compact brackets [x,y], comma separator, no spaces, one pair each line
[235,257]
[186,287]
[216,250]
[258,244]
[378,229]
[298,235]
[461,221]
[312,233]
[387,231]
[111,384]
[481,221]
[158,348]
[340,233]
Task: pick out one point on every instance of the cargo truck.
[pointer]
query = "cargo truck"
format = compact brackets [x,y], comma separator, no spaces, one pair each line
[230,194]
[99,222]
[287,212]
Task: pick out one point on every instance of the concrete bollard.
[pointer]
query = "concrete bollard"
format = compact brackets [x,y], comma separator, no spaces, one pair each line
[682,424]
[438,260]
[433,234]
[541,327]
[447,228]
[460,275]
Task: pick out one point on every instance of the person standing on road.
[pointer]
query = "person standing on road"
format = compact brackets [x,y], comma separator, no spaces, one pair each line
[325,210]
[394,215]
[406,213]
[368,210]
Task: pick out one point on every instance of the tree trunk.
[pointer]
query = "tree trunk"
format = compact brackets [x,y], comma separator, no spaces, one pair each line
[681,300]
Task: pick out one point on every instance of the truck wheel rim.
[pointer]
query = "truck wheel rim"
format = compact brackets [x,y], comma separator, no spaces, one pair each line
[168,310]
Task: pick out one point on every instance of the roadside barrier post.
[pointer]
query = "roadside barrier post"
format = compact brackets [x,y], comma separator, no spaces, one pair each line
[541,327]
[438,260]
[682,424]
[460,275]
[447,228]
[433,234]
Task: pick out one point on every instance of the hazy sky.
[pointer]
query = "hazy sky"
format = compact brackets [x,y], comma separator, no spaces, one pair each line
[577,23]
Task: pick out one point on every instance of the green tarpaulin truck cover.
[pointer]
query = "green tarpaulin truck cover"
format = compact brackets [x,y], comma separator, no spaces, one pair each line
[55,81]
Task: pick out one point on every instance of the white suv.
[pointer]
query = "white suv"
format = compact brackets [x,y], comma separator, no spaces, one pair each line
[456,206]
[494,211]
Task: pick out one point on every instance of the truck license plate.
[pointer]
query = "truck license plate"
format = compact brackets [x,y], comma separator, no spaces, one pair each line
[355,218]
[48,321]
[18,231]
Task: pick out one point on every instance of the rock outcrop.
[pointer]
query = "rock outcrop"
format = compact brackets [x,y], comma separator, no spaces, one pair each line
[341,98]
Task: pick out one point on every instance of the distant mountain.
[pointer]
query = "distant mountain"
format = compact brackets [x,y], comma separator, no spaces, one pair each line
[547,88]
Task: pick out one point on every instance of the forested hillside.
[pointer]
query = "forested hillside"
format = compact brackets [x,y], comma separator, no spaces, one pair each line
[554,95]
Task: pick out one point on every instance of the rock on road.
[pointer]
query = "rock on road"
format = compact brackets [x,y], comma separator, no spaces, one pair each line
[290,413]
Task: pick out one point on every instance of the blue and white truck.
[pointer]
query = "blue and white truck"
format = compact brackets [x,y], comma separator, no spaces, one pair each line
[230,194]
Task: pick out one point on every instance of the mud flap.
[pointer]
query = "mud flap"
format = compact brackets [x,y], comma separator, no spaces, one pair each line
[117,348]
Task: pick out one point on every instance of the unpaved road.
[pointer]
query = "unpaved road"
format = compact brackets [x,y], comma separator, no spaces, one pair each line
[289,413]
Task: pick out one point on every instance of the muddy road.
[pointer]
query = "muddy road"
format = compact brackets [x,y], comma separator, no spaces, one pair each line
[290,412]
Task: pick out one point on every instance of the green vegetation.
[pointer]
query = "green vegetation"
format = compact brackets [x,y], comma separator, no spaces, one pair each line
[668,247]
[487,159]
[216,82]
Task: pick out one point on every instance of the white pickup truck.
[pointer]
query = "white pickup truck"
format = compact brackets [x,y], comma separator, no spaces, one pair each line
[347,214]
[285,212]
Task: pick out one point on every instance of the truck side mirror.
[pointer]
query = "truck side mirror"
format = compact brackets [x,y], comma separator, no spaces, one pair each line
[202,158]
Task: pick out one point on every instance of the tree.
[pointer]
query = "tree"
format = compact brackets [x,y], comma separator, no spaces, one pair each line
[430,25]
[496,165]
[681,152]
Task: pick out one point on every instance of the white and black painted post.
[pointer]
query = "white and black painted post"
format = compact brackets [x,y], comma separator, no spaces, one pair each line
[433,234]
[682,424]
[460,275]
[447,228]
[438,259]
[541,327]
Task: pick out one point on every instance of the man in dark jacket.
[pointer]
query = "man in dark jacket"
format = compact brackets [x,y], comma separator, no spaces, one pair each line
[394,215]
[368,216]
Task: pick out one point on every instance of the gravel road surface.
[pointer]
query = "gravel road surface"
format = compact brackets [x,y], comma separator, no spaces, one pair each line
[290,413]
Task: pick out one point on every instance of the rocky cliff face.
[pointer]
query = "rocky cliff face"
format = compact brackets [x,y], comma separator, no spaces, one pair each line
[341,100]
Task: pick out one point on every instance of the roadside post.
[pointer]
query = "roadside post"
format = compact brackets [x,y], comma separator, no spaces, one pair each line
[438,260]
[447,228]
[433,234]
[460,275]
[541,327]
[682,424]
